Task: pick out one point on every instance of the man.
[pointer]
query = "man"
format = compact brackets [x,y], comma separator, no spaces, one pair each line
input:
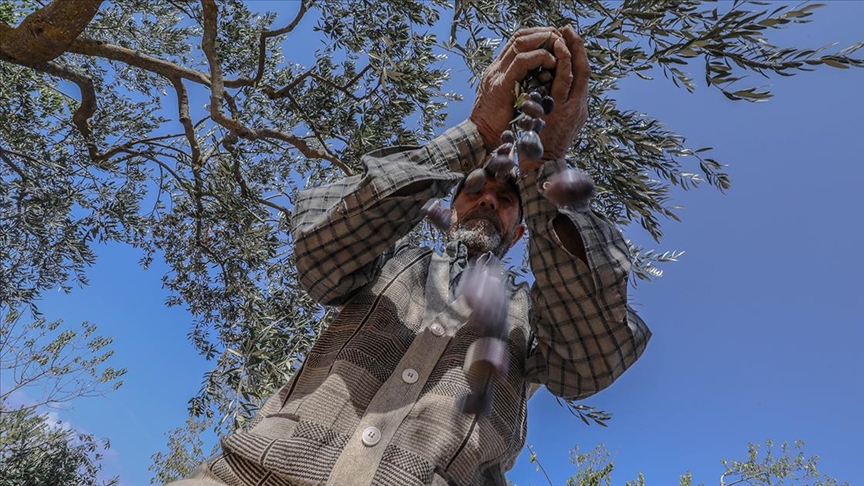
[376,401]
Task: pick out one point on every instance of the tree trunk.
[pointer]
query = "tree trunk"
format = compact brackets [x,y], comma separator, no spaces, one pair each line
[46,33]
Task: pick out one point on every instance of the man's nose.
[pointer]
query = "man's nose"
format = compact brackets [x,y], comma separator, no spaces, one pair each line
[489,200]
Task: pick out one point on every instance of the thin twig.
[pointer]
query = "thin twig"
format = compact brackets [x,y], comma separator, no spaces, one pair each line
[262,47]
[540,466]
[217,92]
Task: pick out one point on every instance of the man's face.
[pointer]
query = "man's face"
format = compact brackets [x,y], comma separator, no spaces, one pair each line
[487,220]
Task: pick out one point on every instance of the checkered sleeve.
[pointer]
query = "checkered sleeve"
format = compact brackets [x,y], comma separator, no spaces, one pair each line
[342,229]
[586,333]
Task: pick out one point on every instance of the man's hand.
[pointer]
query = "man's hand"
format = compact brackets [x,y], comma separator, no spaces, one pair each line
[525,51]
[570,92]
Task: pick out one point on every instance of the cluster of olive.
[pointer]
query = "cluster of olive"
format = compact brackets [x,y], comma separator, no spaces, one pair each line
[483,284]
[484,287]
[522,141]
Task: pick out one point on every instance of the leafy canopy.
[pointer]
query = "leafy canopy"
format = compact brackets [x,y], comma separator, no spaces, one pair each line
[185,128]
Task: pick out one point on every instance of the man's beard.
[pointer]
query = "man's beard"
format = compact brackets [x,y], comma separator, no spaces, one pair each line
[481,232]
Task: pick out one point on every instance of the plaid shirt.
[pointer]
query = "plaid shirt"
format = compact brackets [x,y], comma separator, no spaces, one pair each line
[375,400]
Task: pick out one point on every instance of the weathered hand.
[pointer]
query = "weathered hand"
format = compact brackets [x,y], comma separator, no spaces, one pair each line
[570,92]
[525,51]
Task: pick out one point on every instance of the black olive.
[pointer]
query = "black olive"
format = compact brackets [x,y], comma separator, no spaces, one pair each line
[569,187]
[529,146]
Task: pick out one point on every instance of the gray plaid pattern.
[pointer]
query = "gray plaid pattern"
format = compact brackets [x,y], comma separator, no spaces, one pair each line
[587,335]
[571,331]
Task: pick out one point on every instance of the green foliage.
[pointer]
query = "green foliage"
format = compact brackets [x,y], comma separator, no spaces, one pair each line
[128,138]
[36,452]
[61,363]
[594,467]
[185,452]
[792,466]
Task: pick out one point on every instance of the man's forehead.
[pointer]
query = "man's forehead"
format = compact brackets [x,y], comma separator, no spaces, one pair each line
[494,185]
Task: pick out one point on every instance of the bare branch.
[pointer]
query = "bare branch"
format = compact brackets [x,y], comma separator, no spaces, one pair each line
[315,132]
[47,33]
[124,147]
[274,94]
[283,92]
[344,89]
[277,207]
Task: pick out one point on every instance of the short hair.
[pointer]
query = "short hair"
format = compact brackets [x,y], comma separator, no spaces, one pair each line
[510,181]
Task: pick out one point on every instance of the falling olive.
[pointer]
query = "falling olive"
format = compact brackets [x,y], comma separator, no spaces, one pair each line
[439,216]
[569,187]
[499,165]
[475,180]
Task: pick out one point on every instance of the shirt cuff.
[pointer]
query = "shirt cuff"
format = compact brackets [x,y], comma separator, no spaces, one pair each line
[606,250]
[459,149]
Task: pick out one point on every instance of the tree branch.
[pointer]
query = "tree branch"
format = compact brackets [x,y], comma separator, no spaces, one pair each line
[217,85]
[305,149]
[274,94]
[262,48]
[186,120]
[47,33]
[315,132]
[167,69]
[14,167]
[217,92]
[87,107]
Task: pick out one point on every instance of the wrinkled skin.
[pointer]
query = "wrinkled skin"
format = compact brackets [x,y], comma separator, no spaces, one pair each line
[528,49]
[487,220]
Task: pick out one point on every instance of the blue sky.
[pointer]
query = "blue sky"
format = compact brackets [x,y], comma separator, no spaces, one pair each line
[758,330]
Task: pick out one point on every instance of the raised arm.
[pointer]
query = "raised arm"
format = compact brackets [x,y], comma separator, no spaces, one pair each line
[342,229]
[586,334]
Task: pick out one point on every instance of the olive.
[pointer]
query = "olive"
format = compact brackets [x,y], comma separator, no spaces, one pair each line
[525,122]
[532,109]
[548,104]
[544,76]
[569,187]
[536,97]
[511,173]
[486,294]
[475,180]
[477,403]
[499,164]
[504,148]
[440,217]
[529,146]
[539,125]
[507,137]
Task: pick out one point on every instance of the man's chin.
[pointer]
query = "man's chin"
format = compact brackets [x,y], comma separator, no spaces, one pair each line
[479,236]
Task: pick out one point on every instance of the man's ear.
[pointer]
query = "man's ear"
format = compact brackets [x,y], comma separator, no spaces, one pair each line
[520,230]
